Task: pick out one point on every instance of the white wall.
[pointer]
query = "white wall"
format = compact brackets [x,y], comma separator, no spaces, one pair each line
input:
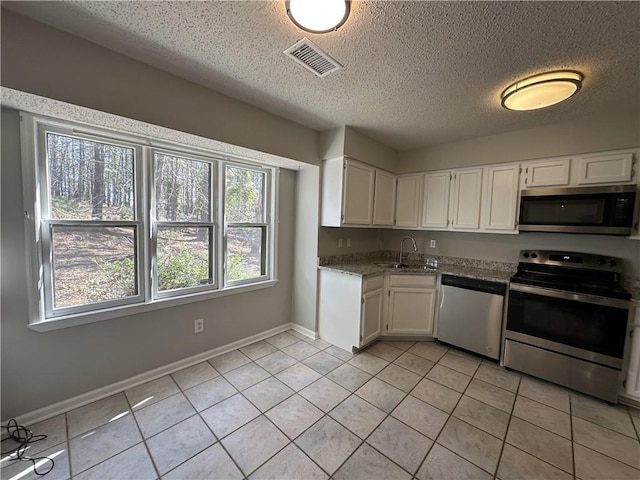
[583,135]
[39,369]
[505,248]
[362,240]
[42,60]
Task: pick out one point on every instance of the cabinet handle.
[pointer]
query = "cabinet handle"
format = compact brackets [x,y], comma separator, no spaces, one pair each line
[362,300]
[342,217]
[633,172]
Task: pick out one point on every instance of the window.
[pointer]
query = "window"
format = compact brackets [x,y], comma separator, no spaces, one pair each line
[246,220]
[119,224]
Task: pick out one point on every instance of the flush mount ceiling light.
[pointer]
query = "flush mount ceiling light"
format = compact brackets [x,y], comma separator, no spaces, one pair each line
[318,16]
[541,90]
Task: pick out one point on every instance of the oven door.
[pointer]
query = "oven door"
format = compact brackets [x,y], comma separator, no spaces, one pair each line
[583,326]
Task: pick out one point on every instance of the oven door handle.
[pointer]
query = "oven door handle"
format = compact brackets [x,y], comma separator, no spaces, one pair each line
[577,297]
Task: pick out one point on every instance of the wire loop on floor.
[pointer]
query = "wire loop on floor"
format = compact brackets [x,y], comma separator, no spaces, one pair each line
[24,437]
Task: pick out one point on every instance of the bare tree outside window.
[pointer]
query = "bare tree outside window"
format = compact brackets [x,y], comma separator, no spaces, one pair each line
[245,216]
[91,182]
[184,238]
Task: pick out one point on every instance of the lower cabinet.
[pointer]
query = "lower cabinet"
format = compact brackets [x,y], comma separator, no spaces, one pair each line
[349,308]
[411,304]
[353,311]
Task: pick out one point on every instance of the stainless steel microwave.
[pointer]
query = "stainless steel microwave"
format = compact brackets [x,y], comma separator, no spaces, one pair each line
[591,210]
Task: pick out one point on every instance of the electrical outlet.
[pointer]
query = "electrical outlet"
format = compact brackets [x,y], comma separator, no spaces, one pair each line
[339,243]
[432,244]
[198,326]
[348,242]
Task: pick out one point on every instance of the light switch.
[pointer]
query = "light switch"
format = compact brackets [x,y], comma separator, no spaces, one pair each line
[432,244]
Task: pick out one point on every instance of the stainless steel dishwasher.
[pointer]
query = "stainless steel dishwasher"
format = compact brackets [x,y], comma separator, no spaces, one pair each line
[470,315]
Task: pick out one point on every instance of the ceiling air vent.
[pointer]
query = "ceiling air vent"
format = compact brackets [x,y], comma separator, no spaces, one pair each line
[312,58]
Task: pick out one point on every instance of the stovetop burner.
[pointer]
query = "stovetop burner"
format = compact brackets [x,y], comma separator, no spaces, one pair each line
[571,272]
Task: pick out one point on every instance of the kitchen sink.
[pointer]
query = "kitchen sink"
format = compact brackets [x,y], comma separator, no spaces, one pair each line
[420,266]
[412,266]
[390,265]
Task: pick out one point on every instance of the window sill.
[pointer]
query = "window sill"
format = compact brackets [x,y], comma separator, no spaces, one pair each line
[128,310]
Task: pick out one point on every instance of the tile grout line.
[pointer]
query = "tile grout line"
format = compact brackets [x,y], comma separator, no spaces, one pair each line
[506,432]
[144,442]
[573,453]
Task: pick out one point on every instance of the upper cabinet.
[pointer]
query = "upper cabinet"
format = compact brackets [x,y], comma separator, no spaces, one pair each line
[435,203]
[408,201]
[551,173]
[467,193]
[601,168]
[479,199]
[347,193]
[357,193]
[501,194]
[384,202]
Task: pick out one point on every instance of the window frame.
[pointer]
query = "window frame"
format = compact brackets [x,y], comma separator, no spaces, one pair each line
[212,225]
[38,225]
[267,232]
[48,223]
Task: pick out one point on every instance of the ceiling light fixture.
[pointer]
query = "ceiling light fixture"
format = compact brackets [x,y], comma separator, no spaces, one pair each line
[318,16]
[541,90]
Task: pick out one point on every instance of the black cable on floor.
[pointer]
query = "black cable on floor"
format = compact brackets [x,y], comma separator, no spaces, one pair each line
[23,436]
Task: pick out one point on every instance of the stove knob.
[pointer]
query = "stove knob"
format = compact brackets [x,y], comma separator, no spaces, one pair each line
[526,255]
[601,261]
[612,263]
[534,255]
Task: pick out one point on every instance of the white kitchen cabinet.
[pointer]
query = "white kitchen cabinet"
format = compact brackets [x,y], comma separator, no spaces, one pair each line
[371,326]
[550,173]
[435,204]
[499,212]
[601,168]
[408,201]
[347,193]
[467,185]
[411,305]
[350,313]
[632,383]
[384,201]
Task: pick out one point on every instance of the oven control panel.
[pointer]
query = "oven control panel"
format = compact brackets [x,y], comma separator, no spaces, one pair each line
[571,259]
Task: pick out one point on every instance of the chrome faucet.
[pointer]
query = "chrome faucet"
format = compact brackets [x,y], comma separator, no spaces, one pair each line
[402,255]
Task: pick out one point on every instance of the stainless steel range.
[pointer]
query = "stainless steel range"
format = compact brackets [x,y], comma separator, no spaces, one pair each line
[567,321]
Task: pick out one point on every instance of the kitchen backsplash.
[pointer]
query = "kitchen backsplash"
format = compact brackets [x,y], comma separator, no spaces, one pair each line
[420,258]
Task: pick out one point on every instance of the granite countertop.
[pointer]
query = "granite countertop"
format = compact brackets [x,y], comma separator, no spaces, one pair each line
[369,268]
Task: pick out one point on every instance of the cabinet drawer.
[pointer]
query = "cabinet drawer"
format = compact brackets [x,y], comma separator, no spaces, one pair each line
[372,283]
[425,281]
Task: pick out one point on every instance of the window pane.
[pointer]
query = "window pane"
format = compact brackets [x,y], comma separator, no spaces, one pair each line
[183,257]
[244,195]
[245,253]
[90,180]
[183,189]
[93,264]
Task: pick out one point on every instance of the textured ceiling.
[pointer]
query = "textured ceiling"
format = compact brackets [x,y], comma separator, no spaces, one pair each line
[415,73]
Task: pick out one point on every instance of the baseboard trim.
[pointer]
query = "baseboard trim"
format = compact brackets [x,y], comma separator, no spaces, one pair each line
[305,331]
[45,413]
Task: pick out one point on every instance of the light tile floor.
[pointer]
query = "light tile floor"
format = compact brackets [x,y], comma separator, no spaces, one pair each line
[291,407]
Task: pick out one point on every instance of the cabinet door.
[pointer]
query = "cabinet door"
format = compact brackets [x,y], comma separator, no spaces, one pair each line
[605,168]
[411,311]
[407,201]
[547,174]
[384,200]
[357,195]
[435,205]
[502,197]
[371,316]
[467,197]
